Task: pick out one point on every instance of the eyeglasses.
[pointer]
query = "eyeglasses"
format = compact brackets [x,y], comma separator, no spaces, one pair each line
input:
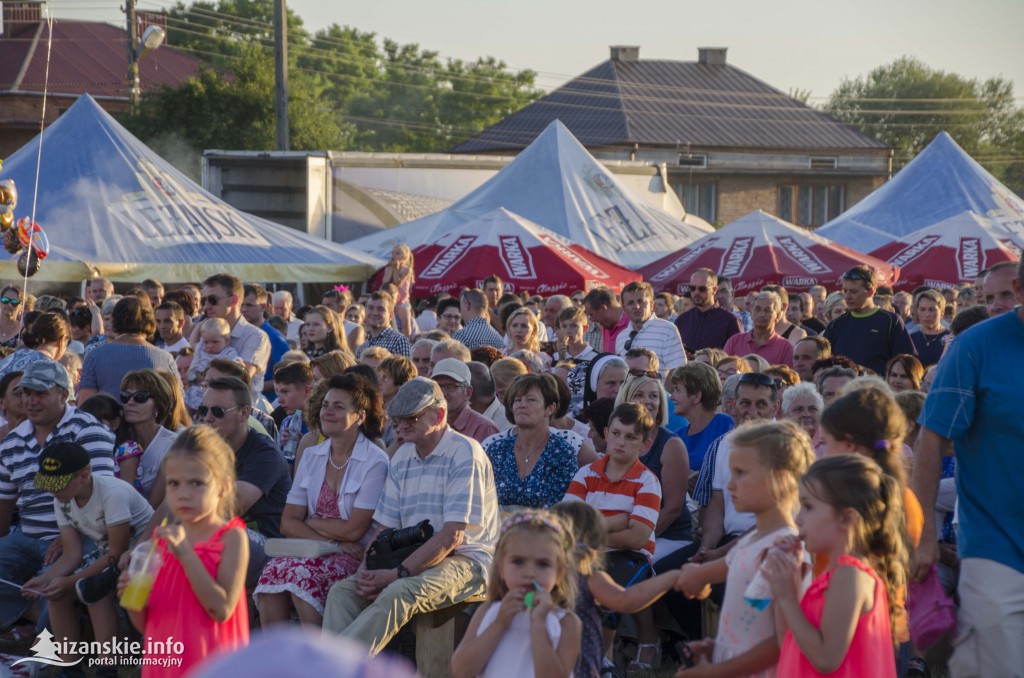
[644,373]
[629,342]
[698,288]
[8,300]
[451,316]
[758,379]
[451,386]
[217,411]
[212,300]
[138,396]
[408,421]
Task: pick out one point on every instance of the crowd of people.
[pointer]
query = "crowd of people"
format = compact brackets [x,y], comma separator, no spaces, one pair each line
[594,467]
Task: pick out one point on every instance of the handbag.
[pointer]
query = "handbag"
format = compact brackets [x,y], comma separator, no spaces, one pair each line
[931,613]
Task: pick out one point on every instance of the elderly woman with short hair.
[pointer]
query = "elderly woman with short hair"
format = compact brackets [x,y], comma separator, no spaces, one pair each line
[801,403]
[532,466]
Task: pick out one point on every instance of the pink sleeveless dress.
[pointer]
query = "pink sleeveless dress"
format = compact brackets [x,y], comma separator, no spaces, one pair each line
[175,612]
[870,654]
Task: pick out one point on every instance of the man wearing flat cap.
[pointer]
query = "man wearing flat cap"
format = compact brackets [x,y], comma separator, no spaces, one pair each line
[437,475]
[26,548]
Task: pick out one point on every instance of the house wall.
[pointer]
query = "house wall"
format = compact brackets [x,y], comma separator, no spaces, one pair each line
[738,195]
[20,114]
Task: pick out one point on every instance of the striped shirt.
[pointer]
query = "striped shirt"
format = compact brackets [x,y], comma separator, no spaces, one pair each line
[637,493]
[453,484]
[478,332]
[391,340]
[707,329]
[660,336]
[19,461]
[702,489]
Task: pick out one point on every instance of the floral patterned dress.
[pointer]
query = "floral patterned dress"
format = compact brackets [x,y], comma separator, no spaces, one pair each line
[309,579]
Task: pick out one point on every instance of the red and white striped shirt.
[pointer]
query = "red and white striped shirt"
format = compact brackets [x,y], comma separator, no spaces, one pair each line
[637,493]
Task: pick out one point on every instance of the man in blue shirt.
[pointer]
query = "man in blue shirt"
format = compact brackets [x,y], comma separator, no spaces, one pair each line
[973,406]
[254,307]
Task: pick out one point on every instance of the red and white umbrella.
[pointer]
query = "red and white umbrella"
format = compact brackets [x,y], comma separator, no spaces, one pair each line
[527,257]
[950,252]
[759,249]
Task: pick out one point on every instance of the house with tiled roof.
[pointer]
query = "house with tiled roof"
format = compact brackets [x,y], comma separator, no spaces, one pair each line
[730,143]
[84,57]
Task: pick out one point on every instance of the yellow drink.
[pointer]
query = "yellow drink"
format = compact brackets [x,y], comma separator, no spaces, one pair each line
[137,592]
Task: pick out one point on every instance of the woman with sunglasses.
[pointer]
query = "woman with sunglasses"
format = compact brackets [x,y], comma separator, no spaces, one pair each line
[337,486]
[10,317]
[46,336]
[147,403]
[125,350]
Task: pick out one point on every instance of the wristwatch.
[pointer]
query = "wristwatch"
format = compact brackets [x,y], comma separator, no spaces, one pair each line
[403,571]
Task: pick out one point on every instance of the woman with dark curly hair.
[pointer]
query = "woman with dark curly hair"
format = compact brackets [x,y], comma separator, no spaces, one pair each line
[335,491]
[125,350]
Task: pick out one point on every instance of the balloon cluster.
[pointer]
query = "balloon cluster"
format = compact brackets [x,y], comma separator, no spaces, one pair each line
[26,238]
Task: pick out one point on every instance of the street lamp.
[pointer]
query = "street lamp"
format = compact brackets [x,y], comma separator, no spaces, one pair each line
[152,38]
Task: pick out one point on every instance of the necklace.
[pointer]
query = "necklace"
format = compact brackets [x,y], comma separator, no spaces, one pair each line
[330,460]
[935,337]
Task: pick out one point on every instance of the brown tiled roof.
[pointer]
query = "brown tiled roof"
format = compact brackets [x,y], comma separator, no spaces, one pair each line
[673,104]
[85,57]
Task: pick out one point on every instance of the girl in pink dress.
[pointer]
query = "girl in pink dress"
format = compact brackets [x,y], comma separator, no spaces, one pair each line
[399,272]
[197,598]
[766,461]
[853,512]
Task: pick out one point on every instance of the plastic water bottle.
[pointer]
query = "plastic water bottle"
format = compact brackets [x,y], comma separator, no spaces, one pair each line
[759,592]
[294,426]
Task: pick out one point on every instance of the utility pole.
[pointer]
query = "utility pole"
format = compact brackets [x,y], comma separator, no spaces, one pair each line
[281,73]
[133,60]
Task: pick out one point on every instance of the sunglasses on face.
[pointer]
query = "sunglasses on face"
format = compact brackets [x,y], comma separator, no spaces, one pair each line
[698,288]
[217,411]
[857,274]
[212,300]
[138,396]
[758,379]
[8,300]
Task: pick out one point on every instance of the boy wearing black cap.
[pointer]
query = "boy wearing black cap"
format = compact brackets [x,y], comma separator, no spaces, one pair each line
[100,517]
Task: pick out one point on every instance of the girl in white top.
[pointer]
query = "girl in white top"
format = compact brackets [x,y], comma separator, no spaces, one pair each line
[767,460]
[527,622]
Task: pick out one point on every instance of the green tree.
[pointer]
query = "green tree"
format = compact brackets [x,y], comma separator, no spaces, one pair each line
[906,103]
[216,110]
[376,95]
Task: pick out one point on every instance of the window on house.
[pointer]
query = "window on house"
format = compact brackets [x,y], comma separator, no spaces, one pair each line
[811,204]
[701,200]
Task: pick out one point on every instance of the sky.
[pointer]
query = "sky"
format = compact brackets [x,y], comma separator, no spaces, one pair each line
[790,44]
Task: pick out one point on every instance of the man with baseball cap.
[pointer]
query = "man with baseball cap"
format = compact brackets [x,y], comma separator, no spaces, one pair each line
[27,548]
[437,475]
[454,378]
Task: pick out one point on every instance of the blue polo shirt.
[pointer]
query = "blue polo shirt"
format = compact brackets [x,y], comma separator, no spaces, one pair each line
[278,347]
[975,402]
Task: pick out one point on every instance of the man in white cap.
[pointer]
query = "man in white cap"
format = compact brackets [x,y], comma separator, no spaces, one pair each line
[455,380]
[440,476]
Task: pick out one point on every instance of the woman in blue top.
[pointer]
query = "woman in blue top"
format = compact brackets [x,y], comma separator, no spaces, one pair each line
[696,389]
[125,350]
[667,459]
[532,467]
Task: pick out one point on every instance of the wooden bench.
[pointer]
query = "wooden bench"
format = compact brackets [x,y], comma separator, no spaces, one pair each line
[437,634]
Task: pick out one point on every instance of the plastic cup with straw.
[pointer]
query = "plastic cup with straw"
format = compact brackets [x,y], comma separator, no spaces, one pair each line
[142,569]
